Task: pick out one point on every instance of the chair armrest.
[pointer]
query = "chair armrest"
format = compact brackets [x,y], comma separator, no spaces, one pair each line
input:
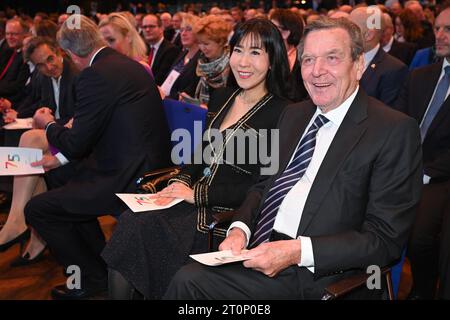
[345,286]
[152,181]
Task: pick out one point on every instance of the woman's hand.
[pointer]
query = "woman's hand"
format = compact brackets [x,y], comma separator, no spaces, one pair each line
[174,191]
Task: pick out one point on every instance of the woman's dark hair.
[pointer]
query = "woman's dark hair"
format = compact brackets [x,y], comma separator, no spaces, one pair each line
[264,34]
[289,21]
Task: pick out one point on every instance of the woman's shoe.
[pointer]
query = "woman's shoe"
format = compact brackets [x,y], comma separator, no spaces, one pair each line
[25,260]
[21,238]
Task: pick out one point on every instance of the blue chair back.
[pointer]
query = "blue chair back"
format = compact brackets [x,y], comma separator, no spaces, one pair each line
[190,117]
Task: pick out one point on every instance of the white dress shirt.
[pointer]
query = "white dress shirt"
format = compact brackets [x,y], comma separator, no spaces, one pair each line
[290,212]
[56,84]
[388,46]
[369,55]
[155,49]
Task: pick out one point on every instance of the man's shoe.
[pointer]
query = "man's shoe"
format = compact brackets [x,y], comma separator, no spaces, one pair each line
[61,292]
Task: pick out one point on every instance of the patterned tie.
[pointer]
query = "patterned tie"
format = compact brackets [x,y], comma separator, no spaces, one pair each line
[436,103]
[150,56]
[291,175]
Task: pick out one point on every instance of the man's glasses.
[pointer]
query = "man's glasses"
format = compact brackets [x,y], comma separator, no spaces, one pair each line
[149,26]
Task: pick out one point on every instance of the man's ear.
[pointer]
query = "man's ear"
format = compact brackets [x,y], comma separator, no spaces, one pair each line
[359,65]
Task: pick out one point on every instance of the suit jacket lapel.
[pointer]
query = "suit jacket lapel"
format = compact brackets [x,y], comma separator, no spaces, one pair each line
[371,68]
[426,90]
[294,132]
[348,135]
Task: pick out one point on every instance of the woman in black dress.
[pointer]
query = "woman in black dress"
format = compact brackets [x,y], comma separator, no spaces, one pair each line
[146,249]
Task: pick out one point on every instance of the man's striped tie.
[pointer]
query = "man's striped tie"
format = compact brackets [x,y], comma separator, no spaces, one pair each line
[291,175]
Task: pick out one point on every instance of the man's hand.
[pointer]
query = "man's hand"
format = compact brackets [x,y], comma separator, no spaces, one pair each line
[272,257]
[69,123]
[9,115]
[5,104]
[49,162]
[235,241]
[42,117]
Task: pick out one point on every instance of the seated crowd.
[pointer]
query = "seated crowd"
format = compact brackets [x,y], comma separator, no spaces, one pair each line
[352,112]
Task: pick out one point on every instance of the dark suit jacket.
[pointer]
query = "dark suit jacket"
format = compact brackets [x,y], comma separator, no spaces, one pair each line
[14,80]
[165,56]
[188,79]
[361,205]
[384,77]
[169,33]
[177,41]
[414,100]
[404,51]
[119,132]
[41,94]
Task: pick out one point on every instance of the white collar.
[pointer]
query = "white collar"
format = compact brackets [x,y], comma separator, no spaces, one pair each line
[157,45]
[369,55]
[336,116]
[95,54]
[388,45]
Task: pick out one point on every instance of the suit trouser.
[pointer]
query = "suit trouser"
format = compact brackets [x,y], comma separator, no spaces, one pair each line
[232,281]
[74,238]
[444,257]
[424,242]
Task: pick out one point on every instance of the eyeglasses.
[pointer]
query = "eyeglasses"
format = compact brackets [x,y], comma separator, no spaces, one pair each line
[13,34]
[149,26]
[186,29]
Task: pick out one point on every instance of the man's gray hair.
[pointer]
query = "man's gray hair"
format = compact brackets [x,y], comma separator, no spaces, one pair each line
[80,41]
[325,23]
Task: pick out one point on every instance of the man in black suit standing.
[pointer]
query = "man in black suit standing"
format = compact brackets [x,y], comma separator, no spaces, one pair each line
[404,51]
[162,53]
[425,98]
[383,74]
[345,193]
[119,131]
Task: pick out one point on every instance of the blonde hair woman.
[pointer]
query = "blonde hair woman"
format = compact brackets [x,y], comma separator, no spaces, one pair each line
[122,36]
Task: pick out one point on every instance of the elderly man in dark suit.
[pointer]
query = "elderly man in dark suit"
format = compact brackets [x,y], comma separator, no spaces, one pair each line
[383,74]
[343,198]
[119,131]
[162,53]
[425,98]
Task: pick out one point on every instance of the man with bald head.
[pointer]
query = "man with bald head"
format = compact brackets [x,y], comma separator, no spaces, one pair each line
[403,51]
[383,74]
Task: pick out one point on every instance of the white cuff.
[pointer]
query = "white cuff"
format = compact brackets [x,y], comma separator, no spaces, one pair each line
[48,125]
[62,159]
[243,227]
[307,255]
[426,179]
